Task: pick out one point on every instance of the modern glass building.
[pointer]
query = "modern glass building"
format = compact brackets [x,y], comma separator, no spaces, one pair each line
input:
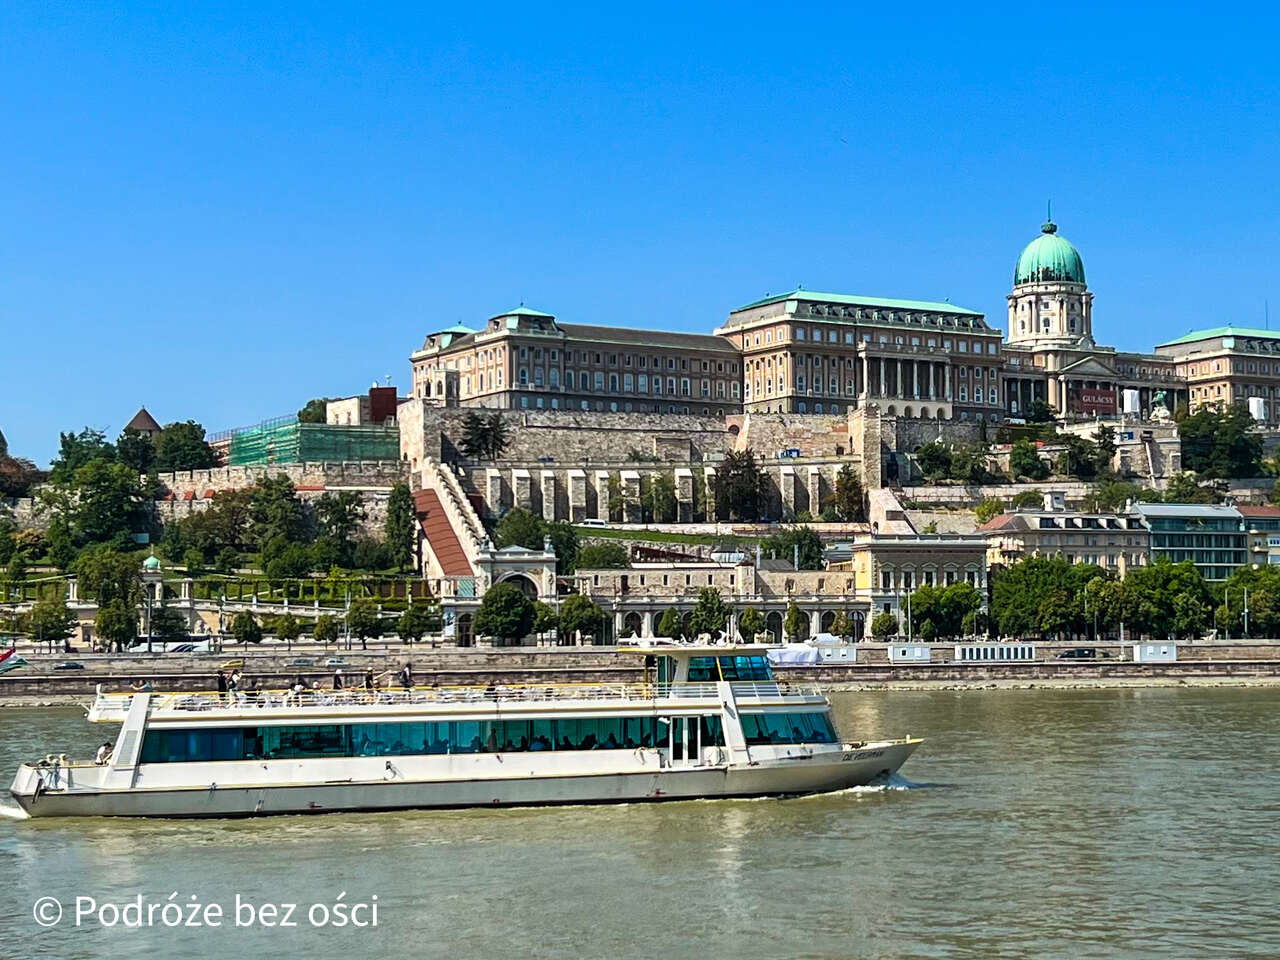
[1212,536]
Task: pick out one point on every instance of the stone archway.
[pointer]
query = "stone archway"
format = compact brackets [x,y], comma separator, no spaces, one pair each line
[631,624]
[773,625]
[463,628]
[526,585]
[826,621]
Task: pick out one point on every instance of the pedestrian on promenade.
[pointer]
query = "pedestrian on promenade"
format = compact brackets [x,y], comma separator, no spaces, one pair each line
[222,686]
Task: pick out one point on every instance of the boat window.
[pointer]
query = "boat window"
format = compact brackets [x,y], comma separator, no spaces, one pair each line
[787,728]
[408,739]
[744,668]
[702,670]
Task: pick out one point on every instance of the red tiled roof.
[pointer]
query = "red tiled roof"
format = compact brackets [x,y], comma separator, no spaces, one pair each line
[998,523]
[1258,510]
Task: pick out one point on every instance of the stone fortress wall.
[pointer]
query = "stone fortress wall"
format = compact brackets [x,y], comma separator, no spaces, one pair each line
[195,484]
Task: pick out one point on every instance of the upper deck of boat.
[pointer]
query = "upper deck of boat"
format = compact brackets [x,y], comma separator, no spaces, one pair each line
[504,699]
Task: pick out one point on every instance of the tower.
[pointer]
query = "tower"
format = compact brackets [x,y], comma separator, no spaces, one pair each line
[1050,302]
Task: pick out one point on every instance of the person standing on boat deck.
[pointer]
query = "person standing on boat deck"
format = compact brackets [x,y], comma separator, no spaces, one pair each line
[233,685]
[104,754]
[222,685]
[337,678]
[406,676]
[368,680]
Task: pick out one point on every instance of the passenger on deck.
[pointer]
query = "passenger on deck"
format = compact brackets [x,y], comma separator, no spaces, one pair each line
[104,753]
[337,678]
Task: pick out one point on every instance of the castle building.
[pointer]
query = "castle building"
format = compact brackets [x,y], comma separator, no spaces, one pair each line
[1227,365]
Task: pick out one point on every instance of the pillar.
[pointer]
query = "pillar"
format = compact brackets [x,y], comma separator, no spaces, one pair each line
[577,482]
[946,370]
[631,496]
[548,495]
[915,379]
[787,486]
[815,622]
[815,490]
[684,494]
[522,488]
[646,624]
[493,490]
[709,494]
[900,392]
[602,495]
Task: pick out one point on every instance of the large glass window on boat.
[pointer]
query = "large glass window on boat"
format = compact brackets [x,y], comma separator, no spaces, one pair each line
[405,739]
[711,669]
[761,728]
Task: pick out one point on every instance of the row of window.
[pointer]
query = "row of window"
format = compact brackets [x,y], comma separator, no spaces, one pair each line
[711,669]
[907,580]
[411,739]
[641,361]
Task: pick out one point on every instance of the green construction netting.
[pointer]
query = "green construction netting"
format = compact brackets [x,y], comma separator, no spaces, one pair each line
[288,441]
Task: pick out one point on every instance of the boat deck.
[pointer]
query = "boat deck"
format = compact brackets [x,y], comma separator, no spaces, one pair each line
[205,705]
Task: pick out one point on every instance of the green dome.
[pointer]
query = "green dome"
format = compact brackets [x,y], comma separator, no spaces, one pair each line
[151,563]
[1049,258]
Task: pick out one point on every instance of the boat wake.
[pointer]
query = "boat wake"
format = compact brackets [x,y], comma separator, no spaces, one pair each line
[13,812]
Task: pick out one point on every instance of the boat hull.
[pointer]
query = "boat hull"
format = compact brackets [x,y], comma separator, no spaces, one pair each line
[817,773]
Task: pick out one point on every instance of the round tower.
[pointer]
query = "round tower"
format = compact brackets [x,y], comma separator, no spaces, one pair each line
[1050,301]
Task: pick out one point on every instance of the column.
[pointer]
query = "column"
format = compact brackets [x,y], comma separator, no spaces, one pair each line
[933,393]
[815,622]
[915,379]
[646,624]
[946,371]
[901,394]
[865,387]
[880,382]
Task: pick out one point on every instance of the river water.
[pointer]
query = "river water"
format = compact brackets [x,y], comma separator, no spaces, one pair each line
[1033,823]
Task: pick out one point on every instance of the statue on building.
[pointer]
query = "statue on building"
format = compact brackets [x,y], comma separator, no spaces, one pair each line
[1160,407]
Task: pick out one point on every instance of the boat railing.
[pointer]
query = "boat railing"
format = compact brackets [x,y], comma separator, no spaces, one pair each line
[109,706]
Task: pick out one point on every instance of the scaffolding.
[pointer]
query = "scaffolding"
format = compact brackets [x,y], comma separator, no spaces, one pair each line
[285,440]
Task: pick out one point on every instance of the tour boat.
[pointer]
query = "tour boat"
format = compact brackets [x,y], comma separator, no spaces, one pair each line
[708,721]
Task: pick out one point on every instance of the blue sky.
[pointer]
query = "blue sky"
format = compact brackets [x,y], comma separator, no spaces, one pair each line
[222,213]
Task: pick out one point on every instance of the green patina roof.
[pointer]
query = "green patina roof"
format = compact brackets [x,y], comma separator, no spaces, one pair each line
[522,311]
[1227,331]
[456,328]
[817,297]
[1049,258]
[151,563]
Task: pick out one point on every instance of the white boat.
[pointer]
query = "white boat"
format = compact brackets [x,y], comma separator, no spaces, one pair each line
[709,721]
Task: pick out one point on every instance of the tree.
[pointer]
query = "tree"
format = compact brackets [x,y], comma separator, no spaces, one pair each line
[934,461]
[520,528]
[662,498]
[274,511]
[1221,444]
[1019,595]
[581,617]
[945,608]
[670,625]
[739,487]
[314,411]
[710,613]
[601,556]
[842,625]
[245,628]
[106,575]
[116,624]
[18,476]
[326,629]
[475,436]
[168,625]
[847,498]
[792,542]
[884,626]
[419,618]
[969,465]
[1079,457]
[101,501]
[50,621]
[182,446]
[401,527]
[77,449]
[505,613]
[498,436]
[1172,599]
[545,618]
[363,620]
[1027,498]
[62,550]
[193,560]
[1025,462]
[795,625]
[988,508]
[1105,441]
[1185,488]
[1039,411]
[750,623]
[564,544]
[1112,495]
[339,515]
[226,560]
[288,628]
[136,451]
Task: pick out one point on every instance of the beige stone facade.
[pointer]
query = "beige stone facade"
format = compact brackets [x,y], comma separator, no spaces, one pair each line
[1116,543]
[1230,365]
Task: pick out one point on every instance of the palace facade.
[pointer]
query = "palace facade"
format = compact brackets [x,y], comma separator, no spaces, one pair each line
[809,352]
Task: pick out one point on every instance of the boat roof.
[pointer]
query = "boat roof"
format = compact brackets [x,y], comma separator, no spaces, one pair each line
[679,648]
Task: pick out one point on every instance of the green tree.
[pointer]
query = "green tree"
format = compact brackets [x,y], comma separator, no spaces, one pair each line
[193,560]
[795,625]
[945,607]
[1079,457]
[49,621]
[498,436]
[1221,444]
[339,515]
[520,528]
[1039,411]
[934,461]
[739,487]
[545,618]
[182,446]
[670,625]
[790,542]
[842,625]
[710,613]
[750,623]
[847,498]
[1027,498]
[326,629]
[168,625]
[105,575]
[314,410]
[614,503]
[662,498]
[62,550]
[136,451]
[363,620]
[988,508]
[77,449]
[400,530]
[969,465]
[884,626]
[274,511]
[564,543]
[1111,495]
[475,436]
[505,613]
[101,502]
[226,561]
[16,571]
[1020,592]
[601,556]
[1057,613]
[1185,488]
[419,618]
[1025,462]
[116,624]
[245,628]
[1105,444]
[288,628]
[581,617]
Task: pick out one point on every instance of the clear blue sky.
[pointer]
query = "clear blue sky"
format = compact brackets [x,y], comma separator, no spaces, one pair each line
[224,213]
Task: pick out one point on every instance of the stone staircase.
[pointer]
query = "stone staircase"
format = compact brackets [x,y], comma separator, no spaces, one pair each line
[454,532]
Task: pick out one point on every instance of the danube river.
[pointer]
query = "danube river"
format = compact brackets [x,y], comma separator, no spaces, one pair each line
[1038,823]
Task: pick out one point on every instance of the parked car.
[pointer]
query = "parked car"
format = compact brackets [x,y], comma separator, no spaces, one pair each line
[302,662]
[336,662]
[1078,653]
[69,665]
[593,522]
